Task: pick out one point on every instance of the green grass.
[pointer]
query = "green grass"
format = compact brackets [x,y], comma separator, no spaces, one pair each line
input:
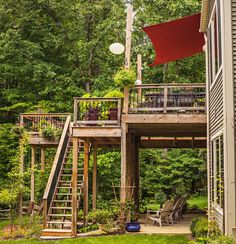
[200,201]
[119,239]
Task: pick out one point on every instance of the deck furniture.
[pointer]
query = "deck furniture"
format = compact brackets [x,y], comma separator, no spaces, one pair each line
[161,215]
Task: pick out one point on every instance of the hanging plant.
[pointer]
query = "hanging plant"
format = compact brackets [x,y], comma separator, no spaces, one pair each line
[125,78]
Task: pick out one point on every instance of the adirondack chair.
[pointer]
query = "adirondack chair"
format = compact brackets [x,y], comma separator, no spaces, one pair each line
[160,215]
[175,210]
[179,212]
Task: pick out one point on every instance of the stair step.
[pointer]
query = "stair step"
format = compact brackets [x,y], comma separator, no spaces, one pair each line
[59,222]
[64,208]
[52,233]
[60,215]
[62,200]
[63,194]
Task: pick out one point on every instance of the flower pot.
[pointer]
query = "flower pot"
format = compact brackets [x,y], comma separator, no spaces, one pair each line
[133,227]
[113,113]
[102,227]
[92,114]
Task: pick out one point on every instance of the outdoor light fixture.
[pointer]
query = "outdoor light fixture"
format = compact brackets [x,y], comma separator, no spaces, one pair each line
[117,48]
[138,82]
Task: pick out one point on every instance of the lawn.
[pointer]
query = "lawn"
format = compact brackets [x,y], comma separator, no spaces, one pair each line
[119,239]
[200,201]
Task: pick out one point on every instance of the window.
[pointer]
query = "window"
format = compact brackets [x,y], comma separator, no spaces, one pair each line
[215,42]
[217,168]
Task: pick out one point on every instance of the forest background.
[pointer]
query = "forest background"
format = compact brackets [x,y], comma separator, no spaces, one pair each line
[52,51]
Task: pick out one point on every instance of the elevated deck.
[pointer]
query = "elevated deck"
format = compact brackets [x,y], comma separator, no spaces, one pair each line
[167,110]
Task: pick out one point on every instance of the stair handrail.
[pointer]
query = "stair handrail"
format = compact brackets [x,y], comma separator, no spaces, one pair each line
[56,167]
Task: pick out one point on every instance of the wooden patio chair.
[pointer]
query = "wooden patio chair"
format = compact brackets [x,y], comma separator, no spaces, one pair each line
[179,213]
[176,208]
[160,215]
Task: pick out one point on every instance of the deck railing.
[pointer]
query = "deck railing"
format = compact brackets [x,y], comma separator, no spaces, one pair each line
[97,111]
[167,98]
[37,122]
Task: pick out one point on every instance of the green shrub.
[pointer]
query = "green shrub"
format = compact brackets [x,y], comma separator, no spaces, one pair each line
[48,133]
[221,240]
[114,93]
[51,133]
[89,228]
[199,227]
[100,216]
[125,78]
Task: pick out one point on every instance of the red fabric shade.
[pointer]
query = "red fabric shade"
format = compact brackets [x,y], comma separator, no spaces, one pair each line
[176,39]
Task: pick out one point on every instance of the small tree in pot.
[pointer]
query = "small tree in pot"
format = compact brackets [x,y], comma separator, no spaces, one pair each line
[101,217]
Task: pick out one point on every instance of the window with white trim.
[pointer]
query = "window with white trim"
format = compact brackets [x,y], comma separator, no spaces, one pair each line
[217,167]
[215,42]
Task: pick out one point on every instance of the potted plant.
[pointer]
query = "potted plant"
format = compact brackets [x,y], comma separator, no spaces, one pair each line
[112,107]
[125,78]
[101,217]
[51,133]
[89,110]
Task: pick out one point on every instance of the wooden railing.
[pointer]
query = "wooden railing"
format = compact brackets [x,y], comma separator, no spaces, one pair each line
[56,167]
[167,98]
[97,111]
[38,121]
[4,214]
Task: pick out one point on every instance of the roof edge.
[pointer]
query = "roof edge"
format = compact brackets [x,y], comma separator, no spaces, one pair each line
[204,16]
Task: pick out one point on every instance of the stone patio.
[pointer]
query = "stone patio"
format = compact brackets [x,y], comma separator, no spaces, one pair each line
[180,227]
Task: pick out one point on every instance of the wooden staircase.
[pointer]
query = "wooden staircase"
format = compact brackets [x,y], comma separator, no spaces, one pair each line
[59,217]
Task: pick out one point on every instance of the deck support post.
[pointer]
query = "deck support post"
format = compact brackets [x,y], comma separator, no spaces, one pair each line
[123,178]
[94,205]
[21,172]
[136,174]
[86,164]
[33,149]
[42,159]
[74,187]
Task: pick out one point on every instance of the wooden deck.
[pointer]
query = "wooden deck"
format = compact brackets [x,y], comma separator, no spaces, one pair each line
[149,116]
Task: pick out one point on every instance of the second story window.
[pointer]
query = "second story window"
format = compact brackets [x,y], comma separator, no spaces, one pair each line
[215,42]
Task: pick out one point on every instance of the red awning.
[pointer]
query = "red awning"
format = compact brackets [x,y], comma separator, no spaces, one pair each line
[176,39]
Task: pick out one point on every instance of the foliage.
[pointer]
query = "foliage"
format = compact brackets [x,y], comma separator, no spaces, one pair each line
[199,227]
[221,240]
[199,201]
[125,78]
[172,173]
[88,228]
[100,216]
[51,133]
[8,149]
[23,227]
[114,93]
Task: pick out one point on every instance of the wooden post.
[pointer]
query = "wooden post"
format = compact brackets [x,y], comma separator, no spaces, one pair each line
[119,112]
[21,172]
[74,186]
[136,175]
[139,77]
[123,177]
[165,99]
[42,159]
[32,178]
[129,23]
[86,164]
[75,110]
[126,100]
[94,177]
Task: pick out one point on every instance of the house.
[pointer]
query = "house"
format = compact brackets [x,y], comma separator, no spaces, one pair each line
[218,22]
